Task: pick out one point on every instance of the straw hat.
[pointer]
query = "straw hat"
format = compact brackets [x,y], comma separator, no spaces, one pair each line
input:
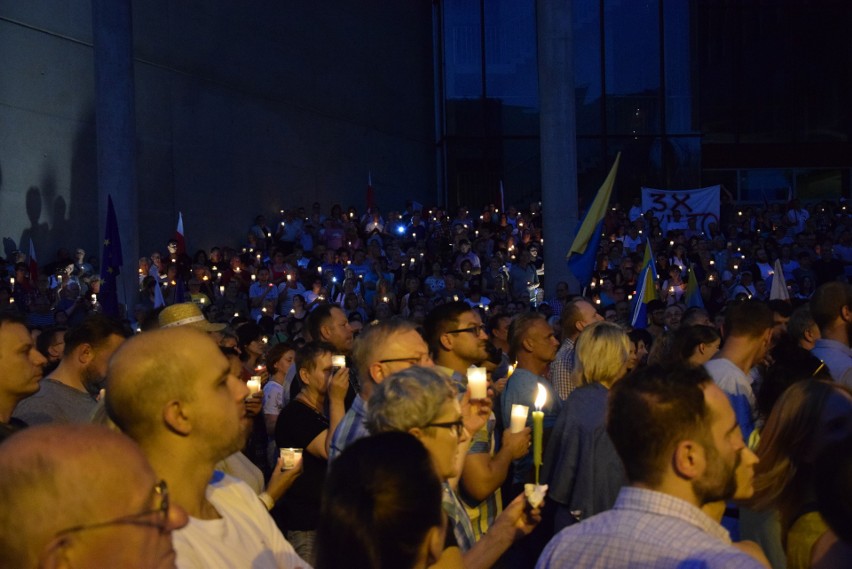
[186,314]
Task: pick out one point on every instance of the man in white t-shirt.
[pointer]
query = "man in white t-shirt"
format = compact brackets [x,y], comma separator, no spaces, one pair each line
[173,392]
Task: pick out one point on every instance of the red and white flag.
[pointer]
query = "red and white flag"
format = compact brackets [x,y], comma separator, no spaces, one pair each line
[371,196]
[181,242]
[33,263]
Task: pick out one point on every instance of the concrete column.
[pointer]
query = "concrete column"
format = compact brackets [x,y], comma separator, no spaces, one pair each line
[115,121]
[558,138]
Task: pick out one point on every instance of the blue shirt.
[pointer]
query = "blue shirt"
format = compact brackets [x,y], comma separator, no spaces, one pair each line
[645,530]
[353,426]
[737,386]
[837,357]
[521,389]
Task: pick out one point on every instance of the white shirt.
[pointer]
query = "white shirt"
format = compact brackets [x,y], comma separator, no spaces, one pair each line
[245,536]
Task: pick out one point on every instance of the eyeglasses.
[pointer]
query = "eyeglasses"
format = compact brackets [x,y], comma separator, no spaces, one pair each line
[475,330]
[413,360]
[157,517]
[455,427]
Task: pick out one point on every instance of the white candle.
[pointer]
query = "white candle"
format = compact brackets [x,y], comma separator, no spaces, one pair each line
[477,383]
[253,384]
[519,418]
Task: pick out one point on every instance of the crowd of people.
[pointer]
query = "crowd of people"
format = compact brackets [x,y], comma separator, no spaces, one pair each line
[313,397]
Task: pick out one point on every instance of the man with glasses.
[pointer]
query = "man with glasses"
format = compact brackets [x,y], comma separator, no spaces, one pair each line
[381,350]
[458,340]
[68,503]
[173,392]
[423,403]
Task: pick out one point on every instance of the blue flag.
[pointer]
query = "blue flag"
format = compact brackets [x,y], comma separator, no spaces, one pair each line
[584,250]
[110,264]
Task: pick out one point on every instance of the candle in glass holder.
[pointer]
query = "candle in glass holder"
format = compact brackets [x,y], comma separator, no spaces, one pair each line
[477,383]
[519,418]
[253,384]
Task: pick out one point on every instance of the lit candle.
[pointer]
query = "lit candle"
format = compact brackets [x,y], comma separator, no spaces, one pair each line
[511,370]
[338,361]
[221,289]
[253,384]
[519,418]
[254,278]
[538,428]
[477,383]
[319,270]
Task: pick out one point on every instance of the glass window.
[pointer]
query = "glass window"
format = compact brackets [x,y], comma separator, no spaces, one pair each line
[511,72]
[587,65]
[462,49]
[632,40]
[678,76]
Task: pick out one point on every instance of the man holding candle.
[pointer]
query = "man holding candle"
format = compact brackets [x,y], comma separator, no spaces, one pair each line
[173,392]
[533,345]
[678,438]
[458,341]
[261,291]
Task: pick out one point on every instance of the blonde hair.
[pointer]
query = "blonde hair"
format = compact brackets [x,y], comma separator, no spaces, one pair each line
[602,352]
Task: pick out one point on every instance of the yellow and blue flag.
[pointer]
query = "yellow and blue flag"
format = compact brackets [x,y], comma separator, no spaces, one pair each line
[581,257]
[646,291]
[693,291]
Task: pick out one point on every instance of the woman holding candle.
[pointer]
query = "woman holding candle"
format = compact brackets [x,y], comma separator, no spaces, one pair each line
[304,424]
[580,465]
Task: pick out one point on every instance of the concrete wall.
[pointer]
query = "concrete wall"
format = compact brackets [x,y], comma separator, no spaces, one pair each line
[241,108]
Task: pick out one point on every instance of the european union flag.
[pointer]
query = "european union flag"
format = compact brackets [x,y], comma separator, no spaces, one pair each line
[110,264]
[584,250]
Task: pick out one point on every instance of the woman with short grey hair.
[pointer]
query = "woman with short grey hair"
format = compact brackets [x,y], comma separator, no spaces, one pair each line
[409,399]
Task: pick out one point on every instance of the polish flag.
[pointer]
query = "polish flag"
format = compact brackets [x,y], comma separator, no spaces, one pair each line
[181,242]
[33,263]
[371,197]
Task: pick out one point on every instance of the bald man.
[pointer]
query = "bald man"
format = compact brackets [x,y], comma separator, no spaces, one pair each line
[67,502]
[173,392]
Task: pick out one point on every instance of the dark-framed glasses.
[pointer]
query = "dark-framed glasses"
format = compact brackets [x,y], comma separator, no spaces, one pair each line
[413,360]
[476,330]
[455,427]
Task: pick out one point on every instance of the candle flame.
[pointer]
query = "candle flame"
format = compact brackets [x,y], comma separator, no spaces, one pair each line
[541,398]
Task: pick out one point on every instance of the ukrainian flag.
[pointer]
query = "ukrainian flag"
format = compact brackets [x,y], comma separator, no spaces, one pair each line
[693,292]
[581,257]
[646,291]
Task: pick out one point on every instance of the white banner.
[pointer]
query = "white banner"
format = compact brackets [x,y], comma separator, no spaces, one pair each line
[702,204]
